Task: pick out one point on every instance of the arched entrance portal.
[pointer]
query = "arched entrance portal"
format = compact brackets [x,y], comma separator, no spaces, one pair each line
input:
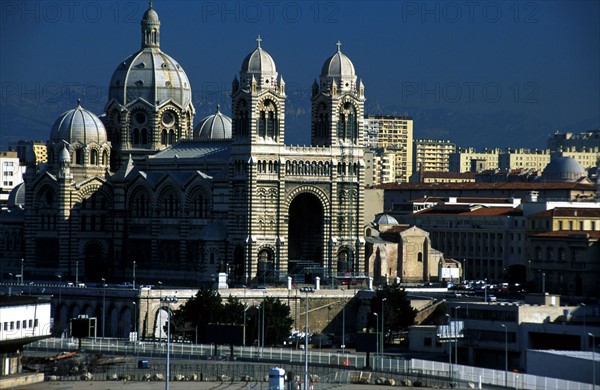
[306,238]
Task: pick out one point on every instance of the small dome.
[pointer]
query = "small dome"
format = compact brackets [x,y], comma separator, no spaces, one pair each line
[64,155]
[338,65]
[150,15]
[78,125]
[16,197]
[563,169]
[386,219]
[259,61]
[216,126]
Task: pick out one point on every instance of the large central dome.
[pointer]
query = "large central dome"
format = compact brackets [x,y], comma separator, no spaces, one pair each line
[150,74]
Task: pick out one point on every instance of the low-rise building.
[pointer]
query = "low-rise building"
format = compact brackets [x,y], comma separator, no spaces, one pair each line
[23,319]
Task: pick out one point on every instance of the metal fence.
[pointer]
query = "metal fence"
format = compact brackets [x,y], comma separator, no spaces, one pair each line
[251,364]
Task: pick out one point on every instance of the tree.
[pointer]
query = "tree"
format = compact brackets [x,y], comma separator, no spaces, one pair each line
[207,308]
[398,313]
[278,323]
[192,317]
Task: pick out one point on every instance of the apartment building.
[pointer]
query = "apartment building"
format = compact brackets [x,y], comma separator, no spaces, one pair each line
[431,155]
[470,160]
[395,135]
[532,159]
[11,175]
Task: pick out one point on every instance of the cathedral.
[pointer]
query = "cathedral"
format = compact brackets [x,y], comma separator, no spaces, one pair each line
[139,191]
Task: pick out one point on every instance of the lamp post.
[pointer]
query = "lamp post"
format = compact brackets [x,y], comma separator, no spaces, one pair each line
[583,309]
[449,316]
[77,274]
[382,330]
[159,311]
[22,274]
[133,275]
[11,275]
[135,320]
[456,334]
[306,290]
[262,349]
[376,339]
[343,327]
[59,288]
[168,301]
[505,354]
[103,305]
[593,360]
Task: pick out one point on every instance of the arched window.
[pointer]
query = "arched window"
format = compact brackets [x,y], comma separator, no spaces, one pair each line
[94,157]
[144,136]
[79,156]
[135,137]
[347,124]
[171,137]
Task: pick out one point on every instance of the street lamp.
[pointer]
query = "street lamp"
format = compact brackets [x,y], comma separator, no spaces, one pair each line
[77,273]
[159,312]
[59,289]
[262,349]
[382,329]
[168,301]
[456,334]
[306,290]
[376,339]
[593,360]
[449,317]
[133,275]
[135,320]
[505,354]
[103,306]
[22,274]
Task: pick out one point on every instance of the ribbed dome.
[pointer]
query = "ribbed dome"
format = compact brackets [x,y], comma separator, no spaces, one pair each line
[150,74]
[259,61]
[150,15]
[64,155]
[78,125]
[338,65]
[216,126]
[16,197]
[386,219]
[563,169]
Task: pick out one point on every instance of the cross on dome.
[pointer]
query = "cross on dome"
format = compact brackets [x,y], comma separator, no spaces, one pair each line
[258,40]
[339,46]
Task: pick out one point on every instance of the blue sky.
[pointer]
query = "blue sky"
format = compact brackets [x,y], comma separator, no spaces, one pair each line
[539,59]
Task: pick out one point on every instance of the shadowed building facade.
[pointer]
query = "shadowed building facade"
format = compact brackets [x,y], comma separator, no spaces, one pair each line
[139,191]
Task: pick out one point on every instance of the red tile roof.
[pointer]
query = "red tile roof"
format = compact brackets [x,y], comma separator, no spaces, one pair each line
[574,212]
[531,186]
[466,210]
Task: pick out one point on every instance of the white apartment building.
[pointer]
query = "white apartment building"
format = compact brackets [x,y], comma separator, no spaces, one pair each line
[395,134]
[432,155]
[464,159]
[11,175]
[521,158]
